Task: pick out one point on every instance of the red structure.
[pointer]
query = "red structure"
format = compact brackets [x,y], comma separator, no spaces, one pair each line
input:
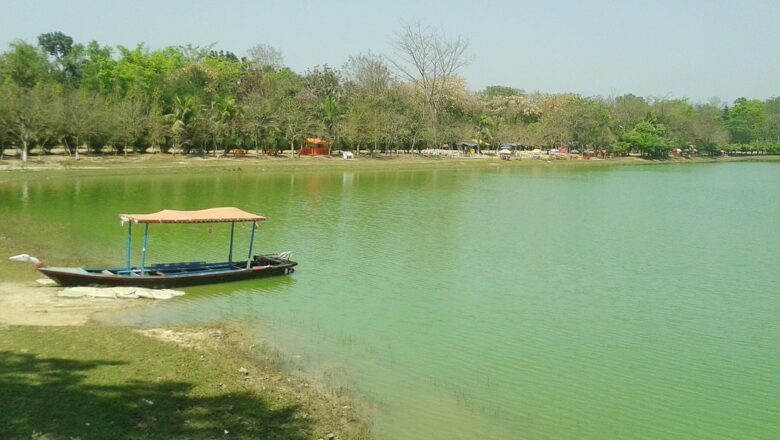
[314,147]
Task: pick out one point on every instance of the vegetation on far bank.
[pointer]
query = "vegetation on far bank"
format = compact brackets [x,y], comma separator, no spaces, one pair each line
[110,382]
[62,94]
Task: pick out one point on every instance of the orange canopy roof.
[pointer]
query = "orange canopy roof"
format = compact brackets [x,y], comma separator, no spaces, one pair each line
[316,141]
[212,215]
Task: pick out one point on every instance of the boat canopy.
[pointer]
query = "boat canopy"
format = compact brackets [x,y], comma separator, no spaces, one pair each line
[212,215]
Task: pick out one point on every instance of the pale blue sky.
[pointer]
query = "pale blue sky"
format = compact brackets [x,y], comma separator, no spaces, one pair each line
[695,49]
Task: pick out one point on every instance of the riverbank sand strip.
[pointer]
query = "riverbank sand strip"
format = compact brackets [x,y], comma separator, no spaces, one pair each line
[30,304]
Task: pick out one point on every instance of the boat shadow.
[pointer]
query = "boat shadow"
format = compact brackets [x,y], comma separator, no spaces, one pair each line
[270,285]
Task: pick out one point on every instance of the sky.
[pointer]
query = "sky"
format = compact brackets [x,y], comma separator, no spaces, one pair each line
[660,49]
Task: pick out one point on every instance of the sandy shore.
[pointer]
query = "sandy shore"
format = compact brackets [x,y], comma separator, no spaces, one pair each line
[63,166]
[28,303]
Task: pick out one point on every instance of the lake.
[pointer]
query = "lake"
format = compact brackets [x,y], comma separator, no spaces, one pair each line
[539,302]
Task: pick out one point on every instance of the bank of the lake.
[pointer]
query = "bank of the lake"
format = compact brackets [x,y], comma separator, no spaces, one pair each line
[94,381]
[149,164]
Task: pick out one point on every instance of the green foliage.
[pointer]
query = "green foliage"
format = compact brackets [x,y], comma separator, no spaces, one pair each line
[56,44]
[24,65]
[203,99]
[772,110]
[746,120]
[620,148]
[493,91]
[649,138]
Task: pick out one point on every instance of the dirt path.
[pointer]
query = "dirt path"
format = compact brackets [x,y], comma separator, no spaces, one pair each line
[33,304]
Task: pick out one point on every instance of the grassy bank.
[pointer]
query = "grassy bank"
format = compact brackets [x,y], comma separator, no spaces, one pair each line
[97,382]
[50,167]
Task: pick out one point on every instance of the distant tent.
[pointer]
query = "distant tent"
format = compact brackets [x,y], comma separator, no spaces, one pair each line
[509,146]
[463,145]
[314,147]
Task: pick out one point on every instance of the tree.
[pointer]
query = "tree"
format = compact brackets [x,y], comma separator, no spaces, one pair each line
[772,110]
[179,120]
[260,119]
[331,114]
[56,44]
[294,120]
[24,64]
[589,121]
[628,110]
[265,57]
[746,120]
[369,73]
[83,111]
[487,130]
[706,128]
[220,116]
[99,71]
[25,114]
[323,82]
[156,126]
[369,81]
[131,116]
[68,58]
[649,138]
[553,127]
[426,57]
[491,92]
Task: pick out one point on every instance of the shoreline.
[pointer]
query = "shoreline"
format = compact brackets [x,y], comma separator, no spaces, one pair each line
[12,170]
[34,322]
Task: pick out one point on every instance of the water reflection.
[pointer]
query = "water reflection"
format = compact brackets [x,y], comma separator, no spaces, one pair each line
[540,303]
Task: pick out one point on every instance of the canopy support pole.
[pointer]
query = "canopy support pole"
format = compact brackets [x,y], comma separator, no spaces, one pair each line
[230,255]
[251,245]
[129,242]
[143,250]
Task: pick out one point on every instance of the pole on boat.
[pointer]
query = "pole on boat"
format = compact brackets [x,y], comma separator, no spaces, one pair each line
[251,244]
[129,241]
[143,250]
[230,255]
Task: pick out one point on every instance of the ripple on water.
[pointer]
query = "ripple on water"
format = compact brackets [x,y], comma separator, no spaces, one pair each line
[538,303]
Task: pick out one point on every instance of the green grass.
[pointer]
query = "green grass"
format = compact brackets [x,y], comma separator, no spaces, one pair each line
[113,383]
[96,166]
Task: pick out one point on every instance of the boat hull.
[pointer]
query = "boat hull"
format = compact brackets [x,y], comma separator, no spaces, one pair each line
[163,276]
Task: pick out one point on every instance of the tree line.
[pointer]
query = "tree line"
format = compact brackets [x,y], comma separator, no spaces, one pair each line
[196,100]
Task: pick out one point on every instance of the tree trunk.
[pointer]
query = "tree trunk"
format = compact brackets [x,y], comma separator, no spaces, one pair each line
[24,151]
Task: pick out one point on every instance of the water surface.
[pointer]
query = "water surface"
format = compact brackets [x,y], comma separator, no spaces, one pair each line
[538,302]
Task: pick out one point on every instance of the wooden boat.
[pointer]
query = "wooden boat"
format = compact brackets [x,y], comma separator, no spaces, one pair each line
[177,274]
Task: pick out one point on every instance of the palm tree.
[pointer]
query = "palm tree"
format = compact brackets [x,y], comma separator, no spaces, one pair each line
[331,113]
[179,119]
[486,128]
[260,120]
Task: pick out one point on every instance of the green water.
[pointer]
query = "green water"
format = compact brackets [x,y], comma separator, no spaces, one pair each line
[540,303]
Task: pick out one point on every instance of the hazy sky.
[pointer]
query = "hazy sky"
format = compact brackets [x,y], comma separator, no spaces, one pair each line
[695,49]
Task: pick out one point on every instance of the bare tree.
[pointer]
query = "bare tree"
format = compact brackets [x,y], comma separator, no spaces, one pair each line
[264,56]
[370,80]
[369,72]
[430,60]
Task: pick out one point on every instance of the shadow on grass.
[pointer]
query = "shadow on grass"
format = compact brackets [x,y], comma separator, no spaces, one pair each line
[63,399]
